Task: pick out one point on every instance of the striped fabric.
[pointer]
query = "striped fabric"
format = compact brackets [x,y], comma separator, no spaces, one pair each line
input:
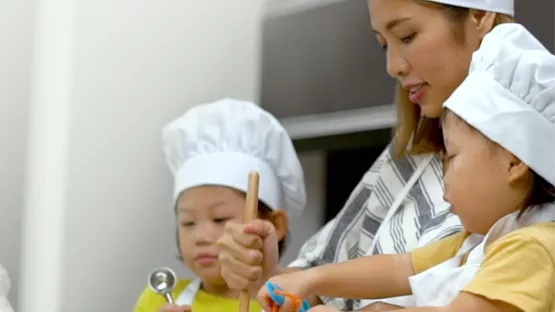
[422,218]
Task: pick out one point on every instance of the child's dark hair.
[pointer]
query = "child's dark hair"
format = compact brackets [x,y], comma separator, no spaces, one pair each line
[541,191]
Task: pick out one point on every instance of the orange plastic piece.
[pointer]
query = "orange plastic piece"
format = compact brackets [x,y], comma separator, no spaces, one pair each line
[275,308]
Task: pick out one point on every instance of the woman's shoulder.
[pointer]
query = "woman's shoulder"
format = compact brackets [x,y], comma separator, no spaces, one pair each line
[149,300]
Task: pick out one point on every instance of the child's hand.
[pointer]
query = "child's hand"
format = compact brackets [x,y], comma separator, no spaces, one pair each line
[175,308]
[297,284]
[248,254]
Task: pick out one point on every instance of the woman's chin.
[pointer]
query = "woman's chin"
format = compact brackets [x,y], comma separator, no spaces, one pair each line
[431,110]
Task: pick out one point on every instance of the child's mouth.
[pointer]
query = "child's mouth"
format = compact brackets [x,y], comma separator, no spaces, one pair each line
[206,259]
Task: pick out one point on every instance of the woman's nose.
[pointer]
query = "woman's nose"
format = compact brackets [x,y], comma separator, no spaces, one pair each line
[397,67]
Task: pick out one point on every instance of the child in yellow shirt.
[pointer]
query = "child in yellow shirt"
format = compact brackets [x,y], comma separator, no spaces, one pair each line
[499,135]
[211,149]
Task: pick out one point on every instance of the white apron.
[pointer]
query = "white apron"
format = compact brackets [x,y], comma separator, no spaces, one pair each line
[404,301]
[187,296]
[439,285]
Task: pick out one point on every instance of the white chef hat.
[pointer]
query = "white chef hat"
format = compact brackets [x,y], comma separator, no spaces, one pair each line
[498,6]
[509,96]
[219,143]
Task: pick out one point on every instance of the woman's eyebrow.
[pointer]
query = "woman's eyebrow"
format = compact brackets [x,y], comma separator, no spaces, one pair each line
[393,23]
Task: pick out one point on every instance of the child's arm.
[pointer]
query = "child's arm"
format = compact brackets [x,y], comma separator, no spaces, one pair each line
[370,277]
[463,303]
[468,302]
[383,276]
[367,277]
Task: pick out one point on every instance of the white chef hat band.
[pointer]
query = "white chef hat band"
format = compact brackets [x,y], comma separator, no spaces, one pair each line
[229,169]
[498,6]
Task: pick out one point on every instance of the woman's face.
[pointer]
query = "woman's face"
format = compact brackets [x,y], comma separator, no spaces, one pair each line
[421,49]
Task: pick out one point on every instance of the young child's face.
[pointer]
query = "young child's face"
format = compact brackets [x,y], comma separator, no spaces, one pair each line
[479,178]
[202,213]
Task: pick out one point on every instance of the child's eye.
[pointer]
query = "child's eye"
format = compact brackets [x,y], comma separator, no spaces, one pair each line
[221,220]
[187,224]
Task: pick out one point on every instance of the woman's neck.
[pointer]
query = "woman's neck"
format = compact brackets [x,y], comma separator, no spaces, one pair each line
[219,290]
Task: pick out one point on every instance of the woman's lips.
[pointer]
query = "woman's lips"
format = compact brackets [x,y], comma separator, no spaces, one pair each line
[416,93]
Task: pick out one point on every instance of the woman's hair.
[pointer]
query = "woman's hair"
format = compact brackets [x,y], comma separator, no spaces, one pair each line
[541,191]
[414,133]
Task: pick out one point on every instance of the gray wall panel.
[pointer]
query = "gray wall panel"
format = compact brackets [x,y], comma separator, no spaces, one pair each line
[326,59]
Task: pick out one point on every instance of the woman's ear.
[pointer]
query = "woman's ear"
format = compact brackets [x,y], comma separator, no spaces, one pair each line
[483,21]
[280,220]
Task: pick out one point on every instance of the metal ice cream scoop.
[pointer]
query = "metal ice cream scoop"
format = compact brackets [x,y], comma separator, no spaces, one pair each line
[163,281]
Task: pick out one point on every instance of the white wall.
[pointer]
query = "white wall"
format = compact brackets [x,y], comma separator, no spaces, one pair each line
[303,225]
[15,40]
[134,66]
[131,67]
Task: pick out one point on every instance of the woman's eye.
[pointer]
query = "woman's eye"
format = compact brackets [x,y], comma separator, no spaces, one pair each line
[187,224]
[408,39]
[384,47]
[221,220]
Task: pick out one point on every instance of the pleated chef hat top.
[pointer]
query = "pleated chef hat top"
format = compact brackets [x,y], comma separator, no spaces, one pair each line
[219,143]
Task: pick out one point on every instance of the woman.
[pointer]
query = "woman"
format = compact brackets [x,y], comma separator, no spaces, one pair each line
[499,129]
[428,44]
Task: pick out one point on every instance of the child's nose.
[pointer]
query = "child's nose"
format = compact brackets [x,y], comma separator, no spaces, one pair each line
[205,235]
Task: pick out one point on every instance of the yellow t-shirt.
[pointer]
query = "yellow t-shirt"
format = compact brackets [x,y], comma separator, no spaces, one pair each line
[150,301]
[518,268]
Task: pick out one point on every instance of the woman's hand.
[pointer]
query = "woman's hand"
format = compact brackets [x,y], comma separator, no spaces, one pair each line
[175,308]
[298,284]
[248,254]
